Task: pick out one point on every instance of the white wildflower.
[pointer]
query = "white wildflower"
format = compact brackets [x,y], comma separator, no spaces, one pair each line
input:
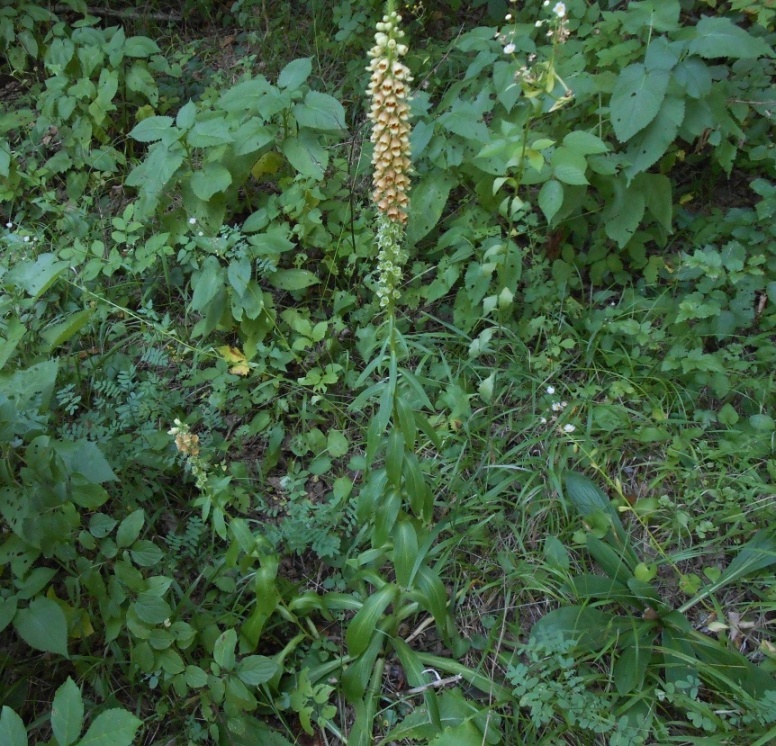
[568,428]
[560,10]
[192,221]
[509,49]
[550,390]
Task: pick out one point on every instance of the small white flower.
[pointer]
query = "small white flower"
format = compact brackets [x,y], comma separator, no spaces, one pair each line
[550,390]
[568,428]
[26,239]
[200,233]
[192,221]
[564,404]
[543,420]
[9,224]
[560,10]
[508,17]
[546,3]
[509,49]
[538,24]
[557,406]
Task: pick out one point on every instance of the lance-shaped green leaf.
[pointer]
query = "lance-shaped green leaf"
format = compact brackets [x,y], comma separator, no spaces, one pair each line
[364,623]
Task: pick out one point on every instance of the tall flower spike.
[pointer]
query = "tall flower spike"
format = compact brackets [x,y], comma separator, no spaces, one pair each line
[389,113]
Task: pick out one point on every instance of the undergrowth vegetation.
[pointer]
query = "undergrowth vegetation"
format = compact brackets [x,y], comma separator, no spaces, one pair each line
[387,375]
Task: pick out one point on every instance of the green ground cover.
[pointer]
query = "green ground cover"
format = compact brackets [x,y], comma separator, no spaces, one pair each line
[279,467]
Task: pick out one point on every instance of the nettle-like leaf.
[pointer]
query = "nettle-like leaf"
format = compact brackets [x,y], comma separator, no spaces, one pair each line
[720,37]
[636,99]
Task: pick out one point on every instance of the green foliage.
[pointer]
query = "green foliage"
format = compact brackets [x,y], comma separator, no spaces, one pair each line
[243,506]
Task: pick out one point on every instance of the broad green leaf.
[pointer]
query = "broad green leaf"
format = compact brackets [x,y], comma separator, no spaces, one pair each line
[151,608]
[151,129]
[14,331]
[720,37]
[195,677]
[42,625]
[656,189]
[140,46]
[67,713]
[405,551]
[60,333]
[12,730]
[652,143]
[364,624]
[320,111]
[631,665]
[140,80]
[585,143]
[206,283]
[624,212]
[209,133]
[36,277]
[589,627]
[7,611]
[292,279]
[114,727]
[211,179]
[428,199]
[245,96]
[256,669]
[556,553]
[5,158]
[550,198]
[636,99]
[295,73]
[306,155]
[659,15]
[130,528]
[223,650]
[153,175]
[465,734]
[186,116]
[694,76]
[85,458]
[430,593]
[146,554]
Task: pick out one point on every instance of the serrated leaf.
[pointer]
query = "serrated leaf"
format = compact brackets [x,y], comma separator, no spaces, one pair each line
[151,129]
[211,179]
[42,625]
[152,609]
[140,46]
[428,200]
[115,727]
[720,37]
[295,73]
[256,669]
[67,713]
[320,111]
[651,143]
[636,99]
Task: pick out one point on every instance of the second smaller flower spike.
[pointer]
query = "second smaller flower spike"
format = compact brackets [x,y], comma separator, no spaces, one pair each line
[390,114]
